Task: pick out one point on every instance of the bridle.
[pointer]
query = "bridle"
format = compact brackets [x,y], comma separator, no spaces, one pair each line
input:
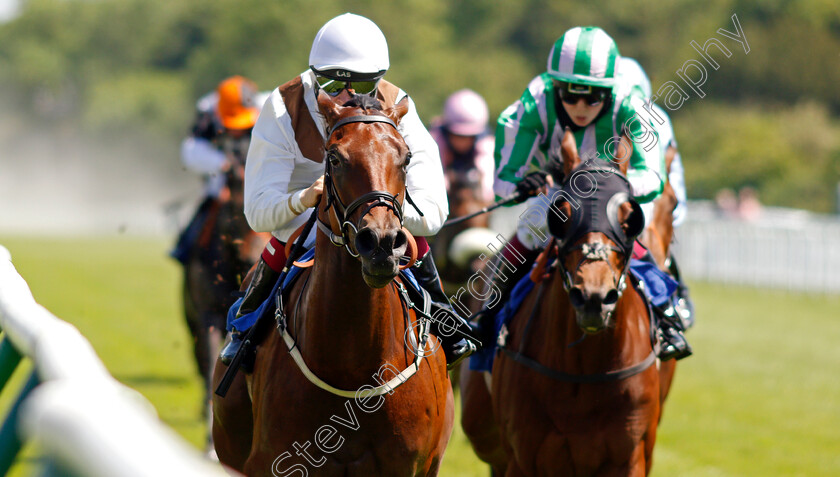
[583,223]
[370,200]
[590,216]
[594,252]
[342,213]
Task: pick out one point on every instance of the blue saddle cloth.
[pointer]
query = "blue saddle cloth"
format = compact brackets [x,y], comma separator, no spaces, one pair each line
[658,288]
[245,322]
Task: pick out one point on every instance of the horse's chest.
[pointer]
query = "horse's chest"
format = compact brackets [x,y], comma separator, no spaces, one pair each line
[583,429]
[328,435]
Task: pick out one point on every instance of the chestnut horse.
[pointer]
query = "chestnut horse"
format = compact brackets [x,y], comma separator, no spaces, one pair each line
[574,391]
[226,249]
[345,332]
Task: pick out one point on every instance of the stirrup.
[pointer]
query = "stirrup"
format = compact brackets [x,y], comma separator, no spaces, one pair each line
[673,344]
[459,351]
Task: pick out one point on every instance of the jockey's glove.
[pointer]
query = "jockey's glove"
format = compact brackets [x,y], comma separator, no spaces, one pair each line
[530,185]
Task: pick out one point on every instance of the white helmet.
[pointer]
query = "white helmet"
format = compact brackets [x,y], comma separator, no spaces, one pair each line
[350,43]
[630,73]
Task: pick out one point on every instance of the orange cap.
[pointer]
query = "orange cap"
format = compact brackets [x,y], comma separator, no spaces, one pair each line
[236,106]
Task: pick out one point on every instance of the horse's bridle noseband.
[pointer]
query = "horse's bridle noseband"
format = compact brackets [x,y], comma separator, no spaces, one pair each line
[594,252]
[373,199]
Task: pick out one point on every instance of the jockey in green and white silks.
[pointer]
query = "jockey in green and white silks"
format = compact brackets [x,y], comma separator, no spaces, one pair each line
[578,91]
[631,74]
[582,65]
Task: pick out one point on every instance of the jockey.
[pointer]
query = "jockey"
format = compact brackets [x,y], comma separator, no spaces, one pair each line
[631,74]
[284,172]
[221,132]
[463,139]
[576,92]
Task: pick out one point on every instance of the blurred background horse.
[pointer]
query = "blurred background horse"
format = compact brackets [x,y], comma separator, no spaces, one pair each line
[226,249]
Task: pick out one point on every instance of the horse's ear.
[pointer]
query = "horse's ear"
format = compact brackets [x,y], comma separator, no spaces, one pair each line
[398,111]
[328,108]
[631,218]
[623,151]
[568,149]
[559,220]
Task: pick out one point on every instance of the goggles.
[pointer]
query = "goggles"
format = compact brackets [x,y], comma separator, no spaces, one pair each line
[334,87]
[572,93]
[334,81]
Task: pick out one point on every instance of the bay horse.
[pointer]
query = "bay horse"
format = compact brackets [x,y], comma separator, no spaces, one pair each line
[574,390]
[227,248]
[344,331]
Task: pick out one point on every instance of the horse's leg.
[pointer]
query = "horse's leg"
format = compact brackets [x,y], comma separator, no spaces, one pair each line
[233,421]
[477,419]
[191,313]
[666,378]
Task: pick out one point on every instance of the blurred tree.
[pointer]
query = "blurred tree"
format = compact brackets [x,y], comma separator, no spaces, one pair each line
[139,65]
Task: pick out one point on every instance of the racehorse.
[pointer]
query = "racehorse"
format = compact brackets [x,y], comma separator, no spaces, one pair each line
[574,391]
[456,252]
[343,332]
[226,249]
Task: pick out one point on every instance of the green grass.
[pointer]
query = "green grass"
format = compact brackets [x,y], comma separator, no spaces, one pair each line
[761,395]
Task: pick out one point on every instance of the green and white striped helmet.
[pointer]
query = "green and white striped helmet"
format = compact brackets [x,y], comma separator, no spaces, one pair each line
[585,56]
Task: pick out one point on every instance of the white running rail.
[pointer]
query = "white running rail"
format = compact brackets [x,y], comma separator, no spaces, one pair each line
[86,422]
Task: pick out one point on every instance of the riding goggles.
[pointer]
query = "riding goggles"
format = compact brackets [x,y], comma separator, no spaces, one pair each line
[572,93]
[333,82]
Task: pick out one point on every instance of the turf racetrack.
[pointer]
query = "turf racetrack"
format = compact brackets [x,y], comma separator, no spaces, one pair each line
[761,395]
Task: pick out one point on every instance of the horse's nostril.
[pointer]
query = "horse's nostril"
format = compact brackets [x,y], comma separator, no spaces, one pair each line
[400,240]
[576,297]
[611,297]
[366,241]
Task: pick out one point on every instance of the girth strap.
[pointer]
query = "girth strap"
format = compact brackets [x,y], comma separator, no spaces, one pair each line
[581,378]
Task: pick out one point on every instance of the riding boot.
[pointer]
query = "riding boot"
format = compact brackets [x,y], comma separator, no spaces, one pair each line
[445,320]
[670,326]
[262,282]
[507,270]
[683,305]
[671,336]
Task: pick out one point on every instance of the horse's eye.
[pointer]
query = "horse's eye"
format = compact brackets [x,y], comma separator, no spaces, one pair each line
[407,159]
[335,161]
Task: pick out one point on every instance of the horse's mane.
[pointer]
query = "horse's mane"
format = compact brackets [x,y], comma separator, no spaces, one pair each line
[364,101]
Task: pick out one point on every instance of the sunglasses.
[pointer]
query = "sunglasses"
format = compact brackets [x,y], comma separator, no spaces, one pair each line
[592,96]
[334,87]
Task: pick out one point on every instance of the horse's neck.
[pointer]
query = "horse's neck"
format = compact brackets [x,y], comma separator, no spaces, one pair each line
[344,320]
[594,353]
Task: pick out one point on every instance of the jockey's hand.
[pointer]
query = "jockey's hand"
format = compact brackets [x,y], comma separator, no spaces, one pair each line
[531,185]
[312,194]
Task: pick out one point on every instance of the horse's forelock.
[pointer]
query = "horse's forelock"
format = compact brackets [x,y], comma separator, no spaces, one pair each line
[364,101]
